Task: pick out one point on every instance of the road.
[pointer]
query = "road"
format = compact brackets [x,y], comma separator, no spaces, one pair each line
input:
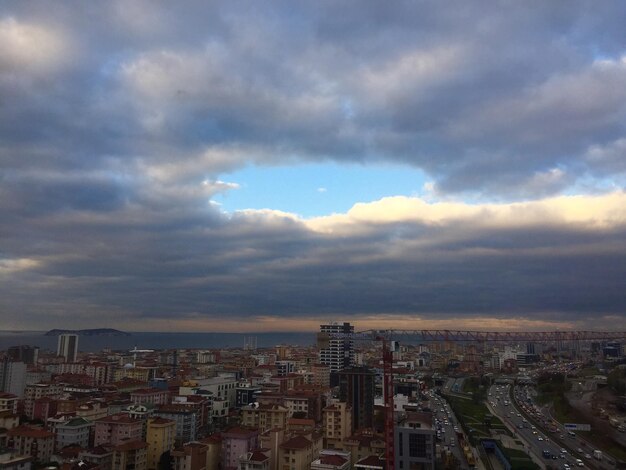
[445,423]
[535,440]
[574,444]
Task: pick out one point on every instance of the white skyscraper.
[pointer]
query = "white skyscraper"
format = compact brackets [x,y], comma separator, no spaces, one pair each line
[68,347]
[339,354]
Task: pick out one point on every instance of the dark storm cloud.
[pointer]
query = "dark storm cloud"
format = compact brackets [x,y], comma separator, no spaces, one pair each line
[266,264]
[117,119]
[514,89]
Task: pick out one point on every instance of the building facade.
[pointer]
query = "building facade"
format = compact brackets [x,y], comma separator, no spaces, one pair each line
[67,347]
[337,353]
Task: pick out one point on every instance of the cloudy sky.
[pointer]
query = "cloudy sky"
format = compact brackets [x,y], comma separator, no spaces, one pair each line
[263,166]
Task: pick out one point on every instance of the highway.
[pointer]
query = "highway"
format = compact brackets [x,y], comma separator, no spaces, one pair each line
[574,444]
[445,423]
[535,440]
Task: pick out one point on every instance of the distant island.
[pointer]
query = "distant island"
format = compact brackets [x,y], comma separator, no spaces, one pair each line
[88,332]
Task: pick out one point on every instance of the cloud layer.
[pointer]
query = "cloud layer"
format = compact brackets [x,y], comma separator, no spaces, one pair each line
[118,119]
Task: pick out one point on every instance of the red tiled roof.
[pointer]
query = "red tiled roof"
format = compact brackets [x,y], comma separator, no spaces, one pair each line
[258,456]
[298,442]
[310,422]
[372,461]
[159,420]
[213,438]
[117,418]
[27,431]
[332,460]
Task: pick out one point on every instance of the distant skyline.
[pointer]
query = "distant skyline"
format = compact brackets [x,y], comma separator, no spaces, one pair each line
[236,166]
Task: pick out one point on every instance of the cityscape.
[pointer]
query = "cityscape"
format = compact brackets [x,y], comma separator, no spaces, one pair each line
[368,400]
[312,235]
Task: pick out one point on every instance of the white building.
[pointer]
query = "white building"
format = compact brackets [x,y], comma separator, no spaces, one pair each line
[337,353]
[68,347]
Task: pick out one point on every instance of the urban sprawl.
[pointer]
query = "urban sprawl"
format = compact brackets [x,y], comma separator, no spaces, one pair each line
[350,401]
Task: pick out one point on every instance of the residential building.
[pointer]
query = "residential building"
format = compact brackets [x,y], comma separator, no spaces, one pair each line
[364,444]
[12,460]
[223,386]
[321,375]
[264,416]
[160,436]
[284,368]
[298,452]
[8,420]
[116,429]
[33,441]
[101,455]
[236,442]
[39,390]
[8,402]
[92,410]
[187,421]
[130,455]
[332,460]
[150,396]
[192,456]
[75,431]
[255,460]
[214,451]
[337,424]
[272,439]
[42,409]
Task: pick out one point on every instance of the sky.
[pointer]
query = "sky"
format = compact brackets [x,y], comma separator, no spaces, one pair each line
[246,166]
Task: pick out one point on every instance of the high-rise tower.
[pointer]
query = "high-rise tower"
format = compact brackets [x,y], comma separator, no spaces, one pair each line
[68,347]
[338,353]
[356,388]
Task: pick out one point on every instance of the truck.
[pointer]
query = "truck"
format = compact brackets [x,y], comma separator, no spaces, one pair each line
[597,454]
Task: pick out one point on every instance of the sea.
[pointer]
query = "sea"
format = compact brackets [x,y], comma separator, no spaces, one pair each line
[152,340]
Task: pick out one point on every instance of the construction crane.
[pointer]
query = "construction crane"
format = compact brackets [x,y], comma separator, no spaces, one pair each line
[389,346]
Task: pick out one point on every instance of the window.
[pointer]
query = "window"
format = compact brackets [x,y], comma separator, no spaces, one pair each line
[417,445]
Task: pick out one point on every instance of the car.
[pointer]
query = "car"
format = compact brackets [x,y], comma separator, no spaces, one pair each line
[539,438]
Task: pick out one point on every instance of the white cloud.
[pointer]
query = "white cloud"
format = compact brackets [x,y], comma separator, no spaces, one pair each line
[12,266]
[591,211]
[31,47]
[321,190]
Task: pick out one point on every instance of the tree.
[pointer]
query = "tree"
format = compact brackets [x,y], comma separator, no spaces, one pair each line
[165,461]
